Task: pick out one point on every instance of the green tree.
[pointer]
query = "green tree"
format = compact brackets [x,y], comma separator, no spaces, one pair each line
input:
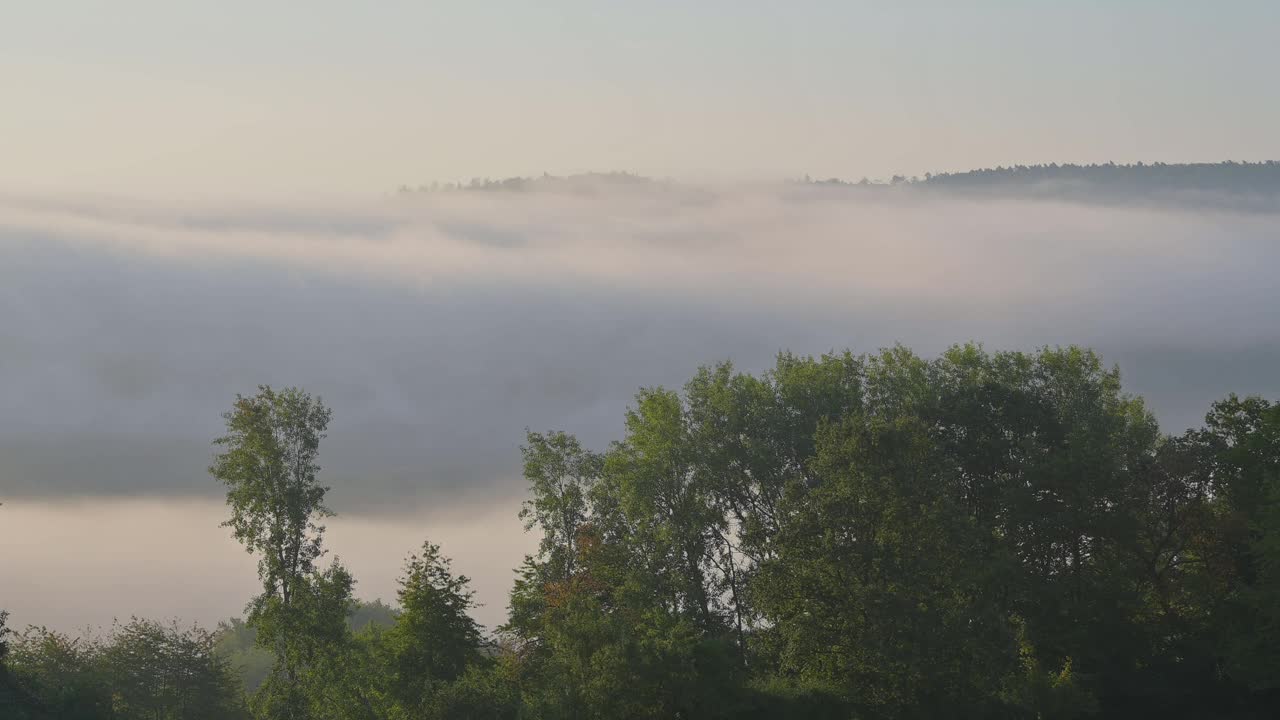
[434,640]
[15,701]
[269,464]
[1244,561]
[317,642]
[625,618]
[878,584]
[163,672]
[754,439]
[981,533]
[237,642]
[561,475]
[482,693]
[62,675]
[142,670]
[5,632]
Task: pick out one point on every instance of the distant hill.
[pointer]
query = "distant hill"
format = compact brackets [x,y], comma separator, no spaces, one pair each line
[1228,185]
[581,182]
[1239,185]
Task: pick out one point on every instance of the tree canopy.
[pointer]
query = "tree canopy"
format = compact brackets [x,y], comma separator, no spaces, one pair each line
[979,534]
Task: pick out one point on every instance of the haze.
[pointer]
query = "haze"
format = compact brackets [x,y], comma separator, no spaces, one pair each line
[198,198]
[440,325]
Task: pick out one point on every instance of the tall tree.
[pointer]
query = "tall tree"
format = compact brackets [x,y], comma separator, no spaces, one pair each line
[268,461]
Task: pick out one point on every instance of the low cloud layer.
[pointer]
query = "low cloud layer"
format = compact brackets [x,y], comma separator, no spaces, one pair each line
[438,326]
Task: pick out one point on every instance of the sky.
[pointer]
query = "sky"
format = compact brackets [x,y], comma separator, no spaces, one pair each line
[196,198]
[319,97]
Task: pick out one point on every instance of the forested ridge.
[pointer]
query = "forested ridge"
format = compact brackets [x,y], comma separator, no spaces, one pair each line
[1230,184]
[976,535]
[1228,176]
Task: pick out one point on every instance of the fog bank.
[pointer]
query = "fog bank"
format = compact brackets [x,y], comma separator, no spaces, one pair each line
[439,326]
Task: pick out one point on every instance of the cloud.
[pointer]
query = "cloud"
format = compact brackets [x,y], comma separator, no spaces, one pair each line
[438,326]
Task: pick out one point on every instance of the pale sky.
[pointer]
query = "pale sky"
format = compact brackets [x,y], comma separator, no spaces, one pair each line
[234,96]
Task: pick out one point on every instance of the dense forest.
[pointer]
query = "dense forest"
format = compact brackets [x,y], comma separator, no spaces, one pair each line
[1238,185]
[580,182]
[993,535]
[1227,176]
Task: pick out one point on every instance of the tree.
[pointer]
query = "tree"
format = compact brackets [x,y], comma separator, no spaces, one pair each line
[560,474]
[61,675]
[434,640]
[238,642]
[974,535]
[620,613]
[877,587]
[1244,434]
[980,534]
[15,701]
[142,670]
[268,463]
[319,643]
[659,512]
[4,636]
[163,672]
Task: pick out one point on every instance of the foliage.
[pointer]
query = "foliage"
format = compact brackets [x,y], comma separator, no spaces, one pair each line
[237,641]
[62,673]
[1245,549]
[1002,535]
[269,467]
[433,643]
[4,635]
[141,670]
[268,463]
[980,534]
